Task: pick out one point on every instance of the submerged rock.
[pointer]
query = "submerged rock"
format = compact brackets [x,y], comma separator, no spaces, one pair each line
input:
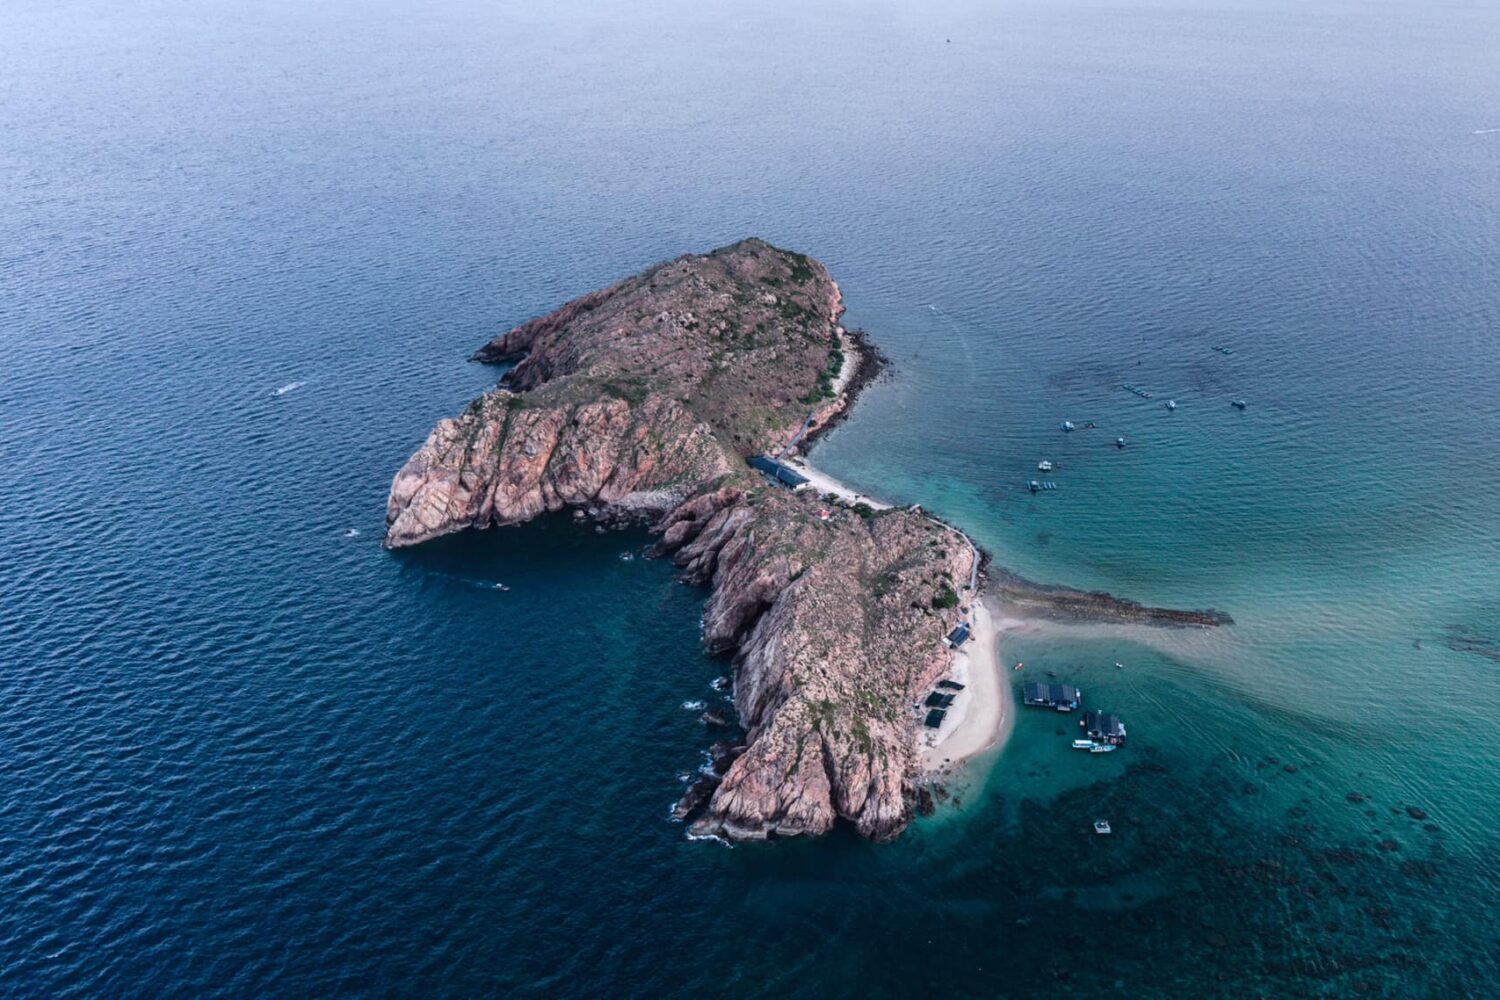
[697,794]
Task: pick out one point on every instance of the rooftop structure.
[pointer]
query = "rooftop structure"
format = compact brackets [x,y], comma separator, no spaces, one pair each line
[1103,727]
[958,636]
[1063,697]
[778,472]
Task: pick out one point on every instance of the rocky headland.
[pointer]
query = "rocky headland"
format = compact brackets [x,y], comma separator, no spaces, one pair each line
[643,401]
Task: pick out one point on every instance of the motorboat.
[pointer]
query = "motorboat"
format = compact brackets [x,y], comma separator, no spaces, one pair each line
[1238,404]
[1083,744]
[1102,748]
[1171,404]
[1044,466]
[1119,442]
[1066,425]
[1101,826]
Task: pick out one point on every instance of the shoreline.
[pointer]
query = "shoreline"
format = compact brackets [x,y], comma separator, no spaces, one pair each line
[983,714]
[986,707]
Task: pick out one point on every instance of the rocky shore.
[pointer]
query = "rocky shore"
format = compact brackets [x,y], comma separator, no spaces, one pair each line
[643,400]
[1023,597]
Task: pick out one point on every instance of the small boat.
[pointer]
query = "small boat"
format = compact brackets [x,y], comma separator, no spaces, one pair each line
[1083,744]
[1224,351]
[1119,442]
[1066,425]
[1238,404]
[1044,466]
[1033,486]
[1101,826]
[1102,748]
[1119,665]
[1171,404]
[1052,673]
[501,586]
[1019,665]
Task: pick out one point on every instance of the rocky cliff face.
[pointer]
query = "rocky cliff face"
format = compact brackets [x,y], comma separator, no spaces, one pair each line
[644,399]
[838,632]
[635,396]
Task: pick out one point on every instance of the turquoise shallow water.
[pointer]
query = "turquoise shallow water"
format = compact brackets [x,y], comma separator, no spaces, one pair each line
[246,752]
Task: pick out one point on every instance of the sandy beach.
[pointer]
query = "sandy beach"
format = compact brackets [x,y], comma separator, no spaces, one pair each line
[984,712]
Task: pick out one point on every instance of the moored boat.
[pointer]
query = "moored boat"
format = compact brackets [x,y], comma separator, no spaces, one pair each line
[1083,744]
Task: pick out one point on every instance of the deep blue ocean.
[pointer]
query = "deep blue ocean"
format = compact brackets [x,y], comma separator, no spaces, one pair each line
[245,751]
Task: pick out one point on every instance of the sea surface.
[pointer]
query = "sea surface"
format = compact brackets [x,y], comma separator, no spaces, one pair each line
[245,249]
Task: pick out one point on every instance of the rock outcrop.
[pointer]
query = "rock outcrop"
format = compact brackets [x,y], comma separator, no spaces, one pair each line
[837,626]
[643,400]
[634,397]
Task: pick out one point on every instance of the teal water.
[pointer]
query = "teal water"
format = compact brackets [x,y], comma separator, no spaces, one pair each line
[246,752]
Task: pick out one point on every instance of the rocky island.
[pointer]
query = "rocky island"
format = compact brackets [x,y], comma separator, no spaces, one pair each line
[644,401]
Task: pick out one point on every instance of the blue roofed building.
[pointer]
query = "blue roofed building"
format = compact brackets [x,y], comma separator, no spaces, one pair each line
[778,472]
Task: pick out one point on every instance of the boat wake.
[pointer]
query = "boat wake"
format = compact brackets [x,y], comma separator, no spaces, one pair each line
[1486,131]
[289,387]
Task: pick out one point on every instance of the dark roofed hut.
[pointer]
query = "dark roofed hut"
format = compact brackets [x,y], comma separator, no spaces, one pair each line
[1103,727]
[778,471]
[958,636]
[935,718]
[1062,697]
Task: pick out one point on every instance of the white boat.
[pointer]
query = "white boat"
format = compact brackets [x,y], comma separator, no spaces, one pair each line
[1171,404]
[1101,826]
[1083,744]
[1066,425]
[1238,404]
[1102,748]
[1044,466]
